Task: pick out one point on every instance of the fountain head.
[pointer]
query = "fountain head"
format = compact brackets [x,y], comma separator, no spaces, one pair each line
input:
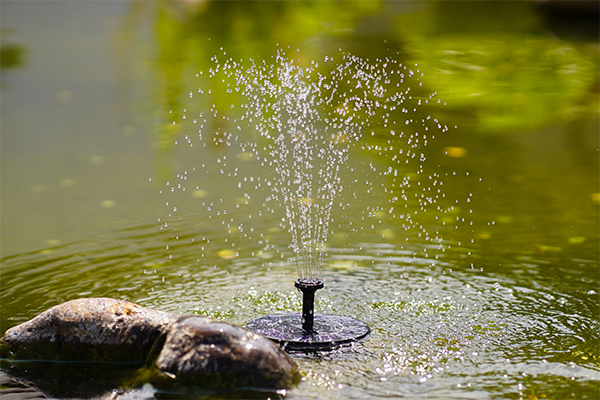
[308,287]
[308,331]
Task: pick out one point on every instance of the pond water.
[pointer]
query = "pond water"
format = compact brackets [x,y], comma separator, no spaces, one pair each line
[502,302]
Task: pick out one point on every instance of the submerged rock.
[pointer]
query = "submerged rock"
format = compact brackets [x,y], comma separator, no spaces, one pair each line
[84,347]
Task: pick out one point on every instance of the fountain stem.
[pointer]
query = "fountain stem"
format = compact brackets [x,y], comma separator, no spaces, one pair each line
[334,330]
[308,288]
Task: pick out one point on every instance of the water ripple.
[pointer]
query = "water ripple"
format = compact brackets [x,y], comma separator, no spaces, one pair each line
[440,329]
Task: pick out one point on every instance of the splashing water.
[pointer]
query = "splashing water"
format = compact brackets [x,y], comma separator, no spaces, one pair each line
[305,120]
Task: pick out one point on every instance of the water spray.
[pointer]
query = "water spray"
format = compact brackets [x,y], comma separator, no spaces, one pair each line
[309,118]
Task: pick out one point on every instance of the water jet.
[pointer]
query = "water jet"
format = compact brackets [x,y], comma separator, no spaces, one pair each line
[300,122]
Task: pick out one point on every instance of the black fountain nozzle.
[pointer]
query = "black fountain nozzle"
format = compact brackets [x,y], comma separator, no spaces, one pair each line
[332,331]
[308,288]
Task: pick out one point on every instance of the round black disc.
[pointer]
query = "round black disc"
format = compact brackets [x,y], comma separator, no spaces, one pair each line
[330,331]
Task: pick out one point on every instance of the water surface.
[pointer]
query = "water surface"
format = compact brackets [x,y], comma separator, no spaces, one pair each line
[506,307]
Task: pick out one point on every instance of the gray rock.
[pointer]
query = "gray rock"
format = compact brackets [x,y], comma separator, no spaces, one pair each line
[201,351]
[95,329]
[84,347]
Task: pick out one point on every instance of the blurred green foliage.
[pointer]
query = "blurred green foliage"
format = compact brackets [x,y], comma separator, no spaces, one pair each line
[187,34]
[493,64]
[11,55]
[185,37]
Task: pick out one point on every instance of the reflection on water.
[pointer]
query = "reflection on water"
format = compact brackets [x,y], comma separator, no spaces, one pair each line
[511,75]
[509,309]
[492,61]
[439,328]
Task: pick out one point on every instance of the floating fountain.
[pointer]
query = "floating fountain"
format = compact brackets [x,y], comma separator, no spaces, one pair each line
[309,331]
[307,118]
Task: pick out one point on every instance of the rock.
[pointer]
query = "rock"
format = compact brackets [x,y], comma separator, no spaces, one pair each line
[85,347]
[95,329]
[199,350]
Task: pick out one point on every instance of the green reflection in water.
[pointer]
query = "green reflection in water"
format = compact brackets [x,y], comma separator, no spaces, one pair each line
[11,55]
[493,63]
[186,35]
[439,328]
[490,61]
[526,289]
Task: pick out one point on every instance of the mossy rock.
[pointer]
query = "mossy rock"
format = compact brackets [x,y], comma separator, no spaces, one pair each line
[85,347]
